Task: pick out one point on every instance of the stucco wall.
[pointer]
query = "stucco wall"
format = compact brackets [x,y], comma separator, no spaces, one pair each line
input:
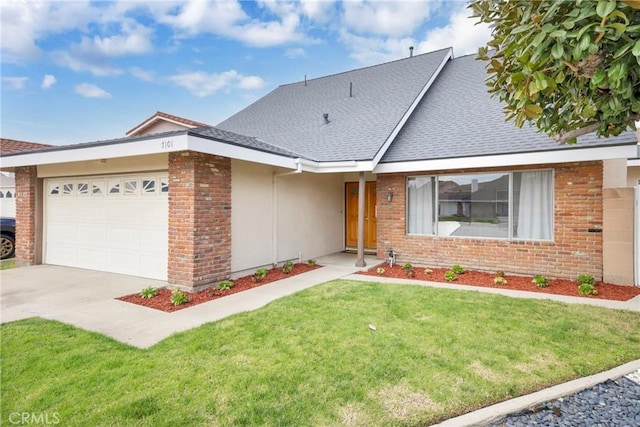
[633,176]
[276,221]
[100,167]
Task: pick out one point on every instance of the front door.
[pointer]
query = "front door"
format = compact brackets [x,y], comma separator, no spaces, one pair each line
[351,190]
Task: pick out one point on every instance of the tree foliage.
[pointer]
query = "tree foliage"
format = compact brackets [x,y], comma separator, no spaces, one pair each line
[570,67]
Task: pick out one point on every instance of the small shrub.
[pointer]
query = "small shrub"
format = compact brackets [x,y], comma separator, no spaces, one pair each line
[428,271]
[450,276]
[407,266]
[149,292]
[312,262]
[457,269]
[178,297]
[500,273]
[540,281]
[259,275]
[287,267]
[411,274]
[587,289]
[500,280]
[225,285]
[381,271]
[585,279]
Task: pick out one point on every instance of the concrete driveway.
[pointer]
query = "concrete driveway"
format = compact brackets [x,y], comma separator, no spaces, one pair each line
[86,299]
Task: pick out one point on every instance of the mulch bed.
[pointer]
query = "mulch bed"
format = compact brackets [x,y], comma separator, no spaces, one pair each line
[162,301]
[521,283]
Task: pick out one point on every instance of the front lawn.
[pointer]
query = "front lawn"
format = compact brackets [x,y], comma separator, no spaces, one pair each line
[313,359]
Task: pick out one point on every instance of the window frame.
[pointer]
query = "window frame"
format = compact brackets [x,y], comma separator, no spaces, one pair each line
[510,235]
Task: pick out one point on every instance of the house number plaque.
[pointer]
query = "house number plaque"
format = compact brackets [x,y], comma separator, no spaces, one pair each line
[167,144]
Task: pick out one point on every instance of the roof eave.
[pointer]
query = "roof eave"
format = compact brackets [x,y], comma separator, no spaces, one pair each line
[396,130]
[567,155]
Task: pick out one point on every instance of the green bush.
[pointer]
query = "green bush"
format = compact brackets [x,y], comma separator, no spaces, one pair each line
[407,266]
[225,285]
[380,271]
[457,269]
[585,279]
[178,297]
[149,292]
[500,280]
[259,275]
[587,289]
[540,281]
[312,262]
[450,276]
[287,267]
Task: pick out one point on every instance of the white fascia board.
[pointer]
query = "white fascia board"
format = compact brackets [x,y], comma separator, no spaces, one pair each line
[336,167]
[217,148]
[509,160]
[164,144]
[411,108]
[633,162]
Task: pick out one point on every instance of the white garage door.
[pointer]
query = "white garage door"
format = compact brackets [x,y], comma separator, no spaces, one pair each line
[108,223]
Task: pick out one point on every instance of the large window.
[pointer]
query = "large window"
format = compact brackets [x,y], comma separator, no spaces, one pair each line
[509,205]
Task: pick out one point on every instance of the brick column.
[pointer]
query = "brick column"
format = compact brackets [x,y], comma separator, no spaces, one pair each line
[26,213]
[199,219]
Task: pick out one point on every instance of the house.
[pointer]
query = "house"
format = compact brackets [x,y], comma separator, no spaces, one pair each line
[163,122]
[411,155]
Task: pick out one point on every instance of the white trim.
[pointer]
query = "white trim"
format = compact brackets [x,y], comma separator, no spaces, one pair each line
[154,119]
[567,155]
[335,167]
[633,162]
[218,148]
[412,107]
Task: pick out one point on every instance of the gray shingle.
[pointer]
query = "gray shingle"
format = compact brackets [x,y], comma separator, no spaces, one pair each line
[458,118]
[211,132]
[291,117]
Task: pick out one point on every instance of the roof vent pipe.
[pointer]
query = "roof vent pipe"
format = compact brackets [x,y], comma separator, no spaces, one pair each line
[326,118]
[351,90]
[410,51]
[305,79]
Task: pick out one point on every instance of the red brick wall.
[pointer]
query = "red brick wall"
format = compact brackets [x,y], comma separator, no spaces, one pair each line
[26,210]
[574,251]
[199,219]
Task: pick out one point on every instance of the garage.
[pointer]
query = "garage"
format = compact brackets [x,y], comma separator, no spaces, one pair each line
[112,223]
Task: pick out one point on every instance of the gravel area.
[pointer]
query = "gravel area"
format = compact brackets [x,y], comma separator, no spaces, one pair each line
[611,403]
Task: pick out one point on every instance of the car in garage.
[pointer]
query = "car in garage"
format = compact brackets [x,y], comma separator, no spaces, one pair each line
[8,240]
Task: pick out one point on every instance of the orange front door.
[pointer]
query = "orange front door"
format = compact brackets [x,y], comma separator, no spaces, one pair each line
[351,191]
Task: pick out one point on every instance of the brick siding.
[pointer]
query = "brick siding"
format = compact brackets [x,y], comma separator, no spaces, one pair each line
[199,219]
[26,180]
[574,250]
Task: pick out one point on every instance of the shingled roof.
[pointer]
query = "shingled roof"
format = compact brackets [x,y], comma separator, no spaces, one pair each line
[14,146]
[364,107]
[458,118]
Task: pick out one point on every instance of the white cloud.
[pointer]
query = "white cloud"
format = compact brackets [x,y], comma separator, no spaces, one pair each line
[48,81]
[91,91]
[16,83]
[461,33]
[387,18]
[96,65]
[203,84]
[375,50]
[294,52]
[318,10]
[134,39]
[142,74]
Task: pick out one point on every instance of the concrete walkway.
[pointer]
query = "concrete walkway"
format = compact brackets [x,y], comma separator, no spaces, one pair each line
[86,299]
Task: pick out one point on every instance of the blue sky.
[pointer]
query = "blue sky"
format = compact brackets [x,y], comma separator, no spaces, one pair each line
[79,71]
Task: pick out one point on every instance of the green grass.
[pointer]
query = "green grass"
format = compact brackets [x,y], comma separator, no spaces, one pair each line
[6,264]
[311,359]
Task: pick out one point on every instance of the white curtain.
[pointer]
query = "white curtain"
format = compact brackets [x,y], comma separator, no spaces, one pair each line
[420,205]
[535,210]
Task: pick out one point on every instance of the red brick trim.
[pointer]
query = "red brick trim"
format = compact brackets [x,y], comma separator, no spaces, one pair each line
[199,219]
[26,213]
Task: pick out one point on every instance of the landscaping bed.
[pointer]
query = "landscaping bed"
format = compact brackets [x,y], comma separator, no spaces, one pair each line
[520,283]
[162,299]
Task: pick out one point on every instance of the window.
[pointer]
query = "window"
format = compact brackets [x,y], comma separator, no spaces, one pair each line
[164,184]
[67,189]
[9,195]
[83,188]
[1,195]
[97,187]
[148,186]
[509,205]
[130,186]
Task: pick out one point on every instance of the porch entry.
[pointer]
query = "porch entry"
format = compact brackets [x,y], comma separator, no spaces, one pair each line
[351,192]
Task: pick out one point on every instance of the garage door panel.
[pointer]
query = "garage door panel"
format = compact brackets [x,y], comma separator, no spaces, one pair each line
[112,223]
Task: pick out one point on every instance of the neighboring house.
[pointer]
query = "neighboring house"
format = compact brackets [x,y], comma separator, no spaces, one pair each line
[163,122]
[7,181]
[410,155]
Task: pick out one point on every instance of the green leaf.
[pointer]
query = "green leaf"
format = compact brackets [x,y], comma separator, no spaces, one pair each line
[538,39]
[604,8]
[557,51]
[624,49]
[559,33]
[636,49]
